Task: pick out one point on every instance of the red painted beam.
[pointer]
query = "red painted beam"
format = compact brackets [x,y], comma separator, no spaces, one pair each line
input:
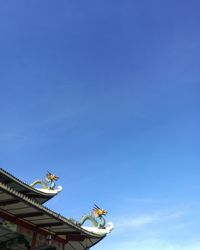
[33,243]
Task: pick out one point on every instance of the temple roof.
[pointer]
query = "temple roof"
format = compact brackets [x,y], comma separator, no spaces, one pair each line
[19,203]
[24,188]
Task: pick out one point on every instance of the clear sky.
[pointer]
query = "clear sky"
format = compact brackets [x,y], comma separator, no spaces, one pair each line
[106,94]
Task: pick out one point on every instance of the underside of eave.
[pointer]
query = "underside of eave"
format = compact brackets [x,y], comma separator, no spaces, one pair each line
[60,220]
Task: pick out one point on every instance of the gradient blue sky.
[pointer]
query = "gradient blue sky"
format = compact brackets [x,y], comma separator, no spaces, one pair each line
[106,95]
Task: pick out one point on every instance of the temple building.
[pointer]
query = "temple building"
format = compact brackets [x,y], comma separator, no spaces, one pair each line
[27,224]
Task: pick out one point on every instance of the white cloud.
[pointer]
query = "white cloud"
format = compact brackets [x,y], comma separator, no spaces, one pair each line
[161,230]
[151,244]
[135,222]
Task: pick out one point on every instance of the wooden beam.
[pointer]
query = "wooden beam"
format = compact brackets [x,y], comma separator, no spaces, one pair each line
[50,224]
[9,202]
[75,237]
[25,215]
[33,195]
[67,233]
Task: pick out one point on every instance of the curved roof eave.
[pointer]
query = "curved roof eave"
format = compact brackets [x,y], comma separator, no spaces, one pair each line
[15,183]
[48,212]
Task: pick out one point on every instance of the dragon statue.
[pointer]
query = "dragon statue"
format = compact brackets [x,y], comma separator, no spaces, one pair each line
[49,183]
[96,218]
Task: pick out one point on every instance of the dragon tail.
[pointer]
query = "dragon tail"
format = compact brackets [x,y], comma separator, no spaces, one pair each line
[88,218]
[39,182]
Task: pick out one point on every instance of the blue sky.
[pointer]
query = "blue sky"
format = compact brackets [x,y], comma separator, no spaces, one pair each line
[106,95]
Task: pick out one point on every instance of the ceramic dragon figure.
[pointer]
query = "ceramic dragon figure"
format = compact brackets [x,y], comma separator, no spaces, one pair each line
[49,182]
[96,218]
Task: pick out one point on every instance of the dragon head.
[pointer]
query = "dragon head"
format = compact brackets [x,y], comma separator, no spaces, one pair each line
[99,211]
[51,177]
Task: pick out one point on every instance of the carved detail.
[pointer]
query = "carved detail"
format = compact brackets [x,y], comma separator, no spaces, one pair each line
[96,218]
[49,182]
